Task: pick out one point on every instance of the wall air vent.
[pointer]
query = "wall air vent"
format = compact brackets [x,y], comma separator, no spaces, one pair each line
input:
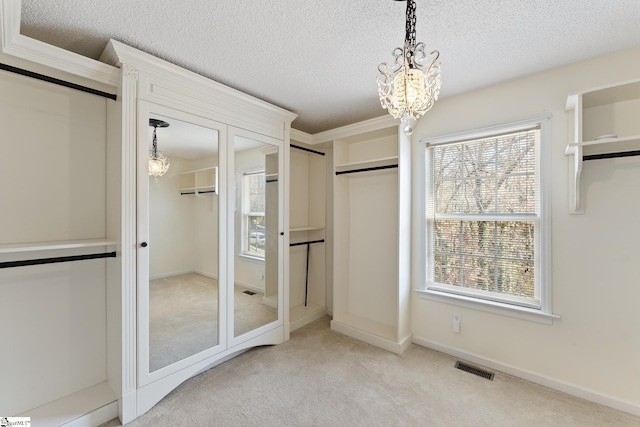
[473,370]
[249,292]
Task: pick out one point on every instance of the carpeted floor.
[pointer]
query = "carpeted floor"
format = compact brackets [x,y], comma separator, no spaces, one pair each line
[322,378]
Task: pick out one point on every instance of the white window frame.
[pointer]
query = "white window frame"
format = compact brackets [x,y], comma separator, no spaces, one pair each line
[542,259]
[245,214]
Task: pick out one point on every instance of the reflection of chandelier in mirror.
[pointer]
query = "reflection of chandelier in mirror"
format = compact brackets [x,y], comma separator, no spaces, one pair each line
[158,163]
[409,87]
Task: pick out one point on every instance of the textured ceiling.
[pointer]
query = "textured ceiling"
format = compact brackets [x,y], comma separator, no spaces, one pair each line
[319,58]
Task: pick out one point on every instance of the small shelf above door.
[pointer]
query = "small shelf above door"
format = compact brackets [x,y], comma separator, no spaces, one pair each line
[200,181]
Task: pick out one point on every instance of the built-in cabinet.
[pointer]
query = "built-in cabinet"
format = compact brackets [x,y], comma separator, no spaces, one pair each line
[307,235]
[605,125]
[90,242]
[371,240]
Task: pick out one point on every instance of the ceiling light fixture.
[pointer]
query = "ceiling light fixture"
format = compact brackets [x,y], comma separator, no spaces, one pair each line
[409,87]
[158,163]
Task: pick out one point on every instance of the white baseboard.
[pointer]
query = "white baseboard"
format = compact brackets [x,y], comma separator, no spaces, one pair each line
[86,408]
[251,287]
[542,380]
[171,274]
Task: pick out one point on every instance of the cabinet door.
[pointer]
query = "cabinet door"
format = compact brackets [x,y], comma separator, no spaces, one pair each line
[180,303]
[255,242]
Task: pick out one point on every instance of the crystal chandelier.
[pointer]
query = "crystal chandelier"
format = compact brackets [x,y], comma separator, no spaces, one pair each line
[158,163]
[409,87]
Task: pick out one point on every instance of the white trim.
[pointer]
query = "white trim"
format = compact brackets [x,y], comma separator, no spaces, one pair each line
[355,129]
[378,341]
[495,307]
[542,380]
[483,132]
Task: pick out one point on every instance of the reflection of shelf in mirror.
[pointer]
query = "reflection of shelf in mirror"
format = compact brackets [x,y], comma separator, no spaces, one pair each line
[306,228]
[58,245]
[374,163]
[301,315]
[200,181]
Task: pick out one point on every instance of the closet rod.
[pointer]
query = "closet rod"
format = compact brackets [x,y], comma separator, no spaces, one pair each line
[306,280]
[366,169]
[311,242]
[306,149]
[59,82]
[40,261]
[199,192]
[611,155]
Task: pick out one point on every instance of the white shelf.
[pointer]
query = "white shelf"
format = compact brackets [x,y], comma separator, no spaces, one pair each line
[46,246]
[606,145]
[373,163]
[306,228]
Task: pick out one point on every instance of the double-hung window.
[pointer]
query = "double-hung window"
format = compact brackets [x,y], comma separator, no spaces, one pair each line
[485,217]
[253,203]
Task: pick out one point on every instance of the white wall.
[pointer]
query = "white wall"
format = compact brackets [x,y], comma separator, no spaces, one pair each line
[594,348]
[171,225]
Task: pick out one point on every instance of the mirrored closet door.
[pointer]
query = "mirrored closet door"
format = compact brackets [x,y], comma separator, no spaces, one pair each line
[179,233]
[256,289]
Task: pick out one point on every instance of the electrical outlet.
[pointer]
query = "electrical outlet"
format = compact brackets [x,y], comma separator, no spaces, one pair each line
[262,275]
[456,323]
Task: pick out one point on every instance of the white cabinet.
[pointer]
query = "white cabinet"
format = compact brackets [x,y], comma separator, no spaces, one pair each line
[307,247]
[371,240]
[606,125]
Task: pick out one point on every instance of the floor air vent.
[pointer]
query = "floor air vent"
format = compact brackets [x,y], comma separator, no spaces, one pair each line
[249,292]
[473,370]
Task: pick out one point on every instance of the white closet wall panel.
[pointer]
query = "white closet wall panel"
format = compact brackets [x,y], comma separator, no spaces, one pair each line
[373,246]
[53,332]
[52,166]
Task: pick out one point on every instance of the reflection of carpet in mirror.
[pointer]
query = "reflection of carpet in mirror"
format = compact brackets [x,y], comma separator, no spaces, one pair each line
[183,316]
[250,312]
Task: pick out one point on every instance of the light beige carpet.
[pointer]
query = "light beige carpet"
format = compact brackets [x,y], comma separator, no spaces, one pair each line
[322,378]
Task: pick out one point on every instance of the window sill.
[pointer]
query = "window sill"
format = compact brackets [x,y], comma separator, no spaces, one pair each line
[253,258]
[488,306]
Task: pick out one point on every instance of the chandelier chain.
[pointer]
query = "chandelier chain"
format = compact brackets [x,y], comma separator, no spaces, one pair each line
[154,149]
[410,36]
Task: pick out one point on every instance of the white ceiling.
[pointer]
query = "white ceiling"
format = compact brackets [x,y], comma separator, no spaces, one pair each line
[319,58]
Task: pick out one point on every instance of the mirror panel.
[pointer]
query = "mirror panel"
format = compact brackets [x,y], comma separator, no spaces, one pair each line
[255,289]
[183,243]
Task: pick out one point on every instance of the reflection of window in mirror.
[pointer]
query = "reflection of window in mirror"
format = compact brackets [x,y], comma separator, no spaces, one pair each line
[253,226]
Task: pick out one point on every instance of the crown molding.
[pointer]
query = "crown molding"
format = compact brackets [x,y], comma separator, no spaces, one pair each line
[13,44]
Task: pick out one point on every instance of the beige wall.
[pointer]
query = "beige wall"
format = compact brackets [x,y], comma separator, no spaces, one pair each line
[594,348]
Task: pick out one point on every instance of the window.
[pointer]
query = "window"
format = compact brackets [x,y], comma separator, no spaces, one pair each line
[253,230]
[484,217]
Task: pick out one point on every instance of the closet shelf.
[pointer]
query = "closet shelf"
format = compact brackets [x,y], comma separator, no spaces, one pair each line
[605,146]
[306,228]
[373,163]
[57,245]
